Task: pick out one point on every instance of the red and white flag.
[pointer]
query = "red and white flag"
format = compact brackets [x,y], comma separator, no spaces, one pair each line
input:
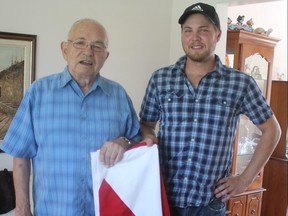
[131,187]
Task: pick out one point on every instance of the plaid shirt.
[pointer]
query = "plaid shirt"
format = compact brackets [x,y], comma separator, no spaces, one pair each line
[197,126]
[58,127]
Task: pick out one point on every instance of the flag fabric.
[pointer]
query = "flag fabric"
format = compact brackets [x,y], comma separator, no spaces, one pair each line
[133,186]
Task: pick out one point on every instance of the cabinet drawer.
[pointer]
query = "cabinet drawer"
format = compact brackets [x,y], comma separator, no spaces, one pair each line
[253,206]
[237,206]
[245,205]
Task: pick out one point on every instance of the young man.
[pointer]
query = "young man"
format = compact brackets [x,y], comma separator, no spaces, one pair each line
[197,102]
[61,120]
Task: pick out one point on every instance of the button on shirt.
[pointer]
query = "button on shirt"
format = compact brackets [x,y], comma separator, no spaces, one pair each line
[197,126]
[58,126]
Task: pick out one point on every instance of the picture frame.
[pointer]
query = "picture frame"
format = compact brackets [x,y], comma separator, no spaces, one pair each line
[17,72]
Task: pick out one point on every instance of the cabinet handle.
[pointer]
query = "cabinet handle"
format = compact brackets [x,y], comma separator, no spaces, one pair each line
[237,214]
[253,212]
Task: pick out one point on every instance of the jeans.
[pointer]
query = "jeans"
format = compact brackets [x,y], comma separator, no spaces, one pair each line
[215,208]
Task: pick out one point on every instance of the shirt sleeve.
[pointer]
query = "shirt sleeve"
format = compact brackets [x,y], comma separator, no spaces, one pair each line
[133,127]
[150,107]
[19,140]
[255,105]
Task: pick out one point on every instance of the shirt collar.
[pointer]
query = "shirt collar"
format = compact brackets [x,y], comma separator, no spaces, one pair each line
[65,77]
[100,81]
[219,68]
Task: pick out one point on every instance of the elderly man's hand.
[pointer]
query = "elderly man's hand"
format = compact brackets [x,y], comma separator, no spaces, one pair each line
[112,151]
[150,140]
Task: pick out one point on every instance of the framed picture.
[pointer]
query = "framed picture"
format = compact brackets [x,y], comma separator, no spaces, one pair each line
[17,72]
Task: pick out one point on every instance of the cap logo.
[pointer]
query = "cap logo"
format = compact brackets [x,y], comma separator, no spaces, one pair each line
[197,8]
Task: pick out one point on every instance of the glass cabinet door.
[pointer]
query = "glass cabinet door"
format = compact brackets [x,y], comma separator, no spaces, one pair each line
[248,138]
[249,135]
[257,67]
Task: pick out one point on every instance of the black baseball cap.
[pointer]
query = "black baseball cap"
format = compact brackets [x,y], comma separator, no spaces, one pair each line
[204,9]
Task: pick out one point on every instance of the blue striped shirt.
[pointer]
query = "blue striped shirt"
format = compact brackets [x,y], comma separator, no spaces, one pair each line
[197,126]
[58,126]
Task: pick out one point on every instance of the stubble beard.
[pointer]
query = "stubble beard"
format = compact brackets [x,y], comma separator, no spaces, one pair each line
[198,56]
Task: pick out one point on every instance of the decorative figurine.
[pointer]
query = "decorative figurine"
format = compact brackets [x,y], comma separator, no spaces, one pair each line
[239,25]
[229,21]
[262,31]
[240,20]
[250,22]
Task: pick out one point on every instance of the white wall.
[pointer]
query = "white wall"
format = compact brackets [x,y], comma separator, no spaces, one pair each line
[268,15]
[138,31]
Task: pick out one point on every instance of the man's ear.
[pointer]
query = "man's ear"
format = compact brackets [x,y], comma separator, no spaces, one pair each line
[64,49]
[107,55]
[219,35]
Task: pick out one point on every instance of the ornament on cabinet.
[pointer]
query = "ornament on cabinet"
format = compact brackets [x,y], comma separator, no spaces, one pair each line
[262,31]
[247,27]
[240,24]
[250,22]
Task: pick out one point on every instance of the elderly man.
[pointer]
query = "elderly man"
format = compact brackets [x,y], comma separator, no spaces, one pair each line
[64,117]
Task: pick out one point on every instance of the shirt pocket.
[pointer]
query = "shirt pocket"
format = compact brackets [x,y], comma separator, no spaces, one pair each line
[222,111]
[171,105]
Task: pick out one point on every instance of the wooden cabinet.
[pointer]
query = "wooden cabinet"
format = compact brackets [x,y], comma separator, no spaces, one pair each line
[253,54]
[248,204]
[276,171]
